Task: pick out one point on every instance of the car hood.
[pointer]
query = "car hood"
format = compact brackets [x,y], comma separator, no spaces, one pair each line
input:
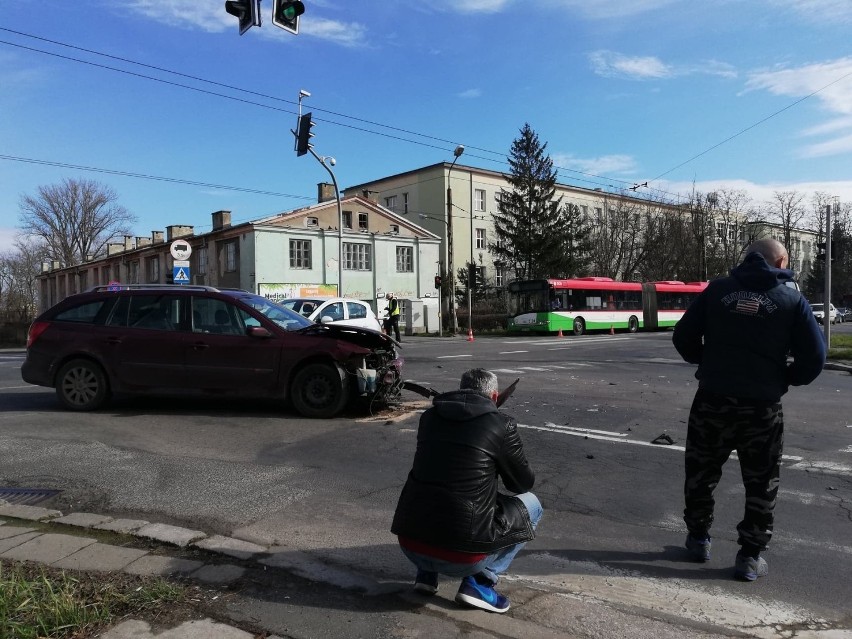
[365,337]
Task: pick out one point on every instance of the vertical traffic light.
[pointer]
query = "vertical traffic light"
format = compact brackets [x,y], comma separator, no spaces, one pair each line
[286,15]
[437,281]
[304,135]
[247,11]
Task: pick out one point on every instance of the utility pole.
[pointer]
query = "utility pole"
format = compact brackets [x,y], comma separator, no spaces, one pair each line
[826,302]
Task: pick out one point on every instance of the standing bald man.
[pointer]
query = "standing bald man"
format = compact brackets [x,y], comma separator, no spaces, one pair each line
[740,331]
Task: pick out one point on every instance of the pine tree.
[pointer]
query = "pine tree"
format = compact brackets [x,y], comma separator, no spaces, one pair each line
[535,236]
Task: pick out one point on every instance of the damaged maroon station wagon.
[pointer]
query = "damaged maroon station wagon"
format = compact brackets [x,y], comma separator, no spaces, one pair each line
[170,339]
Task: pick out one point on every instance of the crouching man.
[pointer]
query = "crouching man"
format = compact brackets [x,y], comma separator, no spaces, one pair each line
[451,519]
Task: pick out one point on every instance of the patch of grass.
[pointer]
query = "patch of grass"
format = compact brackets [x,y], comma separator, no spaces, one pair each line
[841,347]
[37,602]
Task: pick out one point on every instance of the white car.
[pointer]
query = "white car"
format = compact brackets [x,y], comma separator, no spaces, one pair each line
[338,310]
[819,313]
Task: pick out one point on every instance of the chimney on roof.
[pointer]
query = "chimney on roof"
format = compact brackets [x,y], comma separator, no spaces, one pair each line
[114,247]
[373,196]
[175,231]
[128,242]
[325,192]
[143,241]
[157,237]
[221,220]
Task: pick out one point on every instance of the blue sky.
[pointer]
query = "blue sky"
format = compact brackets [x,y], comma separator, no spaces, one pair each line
[738,94]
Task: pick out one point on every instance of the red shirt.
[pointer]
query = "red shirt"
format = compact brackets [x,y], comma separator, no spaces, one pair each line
[454,556]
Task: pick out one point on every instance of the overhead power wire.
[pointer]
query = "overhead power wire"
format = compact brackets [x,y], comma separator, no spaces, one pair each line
[258,94]
[158,178]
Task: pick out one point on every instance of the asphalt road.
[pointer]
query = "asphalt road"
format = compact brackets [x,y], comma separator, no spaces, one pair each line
[588,407]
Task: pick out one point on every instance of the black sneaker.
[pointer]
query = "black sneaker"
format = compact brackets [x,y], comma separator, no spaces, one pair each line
[426,582]
[478,595]
[698,547]
[749,569]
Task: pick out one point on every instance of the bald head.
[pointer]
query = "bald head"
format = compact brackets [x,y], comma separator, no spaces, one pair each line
[771,250]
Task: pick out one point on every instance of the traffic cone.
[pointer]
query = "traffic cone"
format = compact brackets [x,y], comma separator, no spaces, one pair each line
[470,335]
[560,333]
[611,330]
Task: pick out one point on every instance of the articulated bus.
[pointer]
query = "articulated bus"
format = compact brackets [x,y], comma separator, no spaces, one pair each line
[597,303]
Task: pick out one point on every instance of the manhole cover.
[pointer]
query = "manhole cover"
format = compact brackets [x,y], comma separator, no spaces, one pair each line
[26,496]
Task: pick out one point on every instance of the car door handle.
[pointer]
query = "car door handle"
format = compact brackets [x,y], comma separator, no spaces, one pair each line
[200,346]
[113,340]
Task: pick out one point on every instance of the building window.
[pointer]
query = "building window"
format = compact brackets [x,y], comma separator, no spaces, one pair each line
[720,230]
[480,238]
[231,256]
[116,272]
[498,275]
[300,254]
[133,272]
[312,222]
[201,260]
[405,203]
[394,228]
[362,222]
[153,269]
[347,219]
[356,257]
[585,209]
[479,199]
[404,259]
[390,202]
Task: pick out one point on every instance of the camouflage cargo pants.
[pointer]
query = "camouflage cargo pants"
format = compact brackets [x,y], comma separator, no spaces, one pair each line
[717,426]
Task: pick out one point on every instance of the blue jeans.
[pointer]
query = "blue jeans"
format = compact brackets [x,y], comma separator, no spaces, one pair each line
[491,566]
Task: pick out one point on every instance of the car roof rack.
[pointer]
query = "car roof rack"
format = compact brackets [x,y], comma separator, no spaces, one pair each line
[142,287]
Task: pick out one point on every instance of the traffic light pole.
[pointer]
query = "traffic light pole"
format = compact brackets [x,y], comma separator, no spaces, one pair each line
[826,303]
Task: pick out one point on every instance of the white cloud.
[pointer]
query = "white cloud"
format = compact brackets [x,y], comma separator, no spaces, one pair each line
[352,34]
[7,236]
[471,93]
[606,164]
[830,12]
[613,64]
[829,83]
[478,6]
[760,193]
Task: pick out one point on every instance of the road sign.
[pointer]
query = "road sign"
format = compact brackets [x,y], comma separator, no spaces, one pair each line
[180,272]
[180,250]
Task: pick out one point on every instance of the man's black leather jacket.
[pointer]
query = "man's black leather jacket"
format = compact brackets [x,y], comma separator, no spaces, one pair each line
[450,499]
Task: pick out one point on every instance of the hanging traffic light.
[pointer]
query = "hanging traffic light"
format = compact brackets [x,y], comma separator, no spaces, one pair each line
[437,281]
[286,15]
[304,135]
[247,11]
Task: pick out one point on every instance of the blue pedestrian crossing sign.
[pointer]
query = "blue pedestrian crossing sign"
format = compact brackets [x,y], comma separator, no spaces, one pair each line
[180,272]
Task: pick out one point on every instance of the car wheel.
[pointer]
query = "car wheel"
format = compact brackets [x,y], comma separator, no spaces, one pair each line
[632,324]
[319,390]
[81,385]
[579,326]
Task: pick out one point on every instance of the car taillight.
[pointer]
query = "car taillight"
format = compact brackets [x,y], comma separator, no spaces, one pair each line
[36,329]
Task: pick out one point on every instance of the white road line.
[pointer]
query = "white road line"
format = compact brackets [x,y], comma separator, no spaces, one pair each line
[535,368]
[451,356]
[510,371]
[511,352]
[2,388]
[609,436]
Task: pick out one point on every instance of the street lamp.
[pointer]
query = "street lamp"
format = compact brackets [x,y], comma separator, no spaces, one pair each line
[453,320]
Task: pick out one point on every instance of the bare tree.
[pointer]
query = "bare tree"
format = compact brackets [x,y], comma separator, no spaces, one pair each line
[19,269]
[787,211]
[616,241]
[74,219]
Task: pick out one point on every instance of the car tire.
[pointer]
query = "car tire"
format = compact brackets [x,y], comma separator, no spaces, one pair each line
[81,385]
[579,326]
[319,390]
[632,324]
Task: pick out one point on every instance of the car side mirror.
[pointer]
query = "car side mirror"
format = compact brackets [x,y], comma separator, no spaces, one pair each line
[258,331]
[326,319]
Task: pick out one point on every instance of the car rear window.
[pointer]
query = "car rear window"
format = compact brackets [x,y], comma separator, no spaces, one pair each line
[86,313]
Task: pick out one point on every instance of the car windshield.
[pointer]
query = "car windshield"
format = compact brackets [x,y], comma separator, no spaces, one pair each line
[816,307]
[284,317]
